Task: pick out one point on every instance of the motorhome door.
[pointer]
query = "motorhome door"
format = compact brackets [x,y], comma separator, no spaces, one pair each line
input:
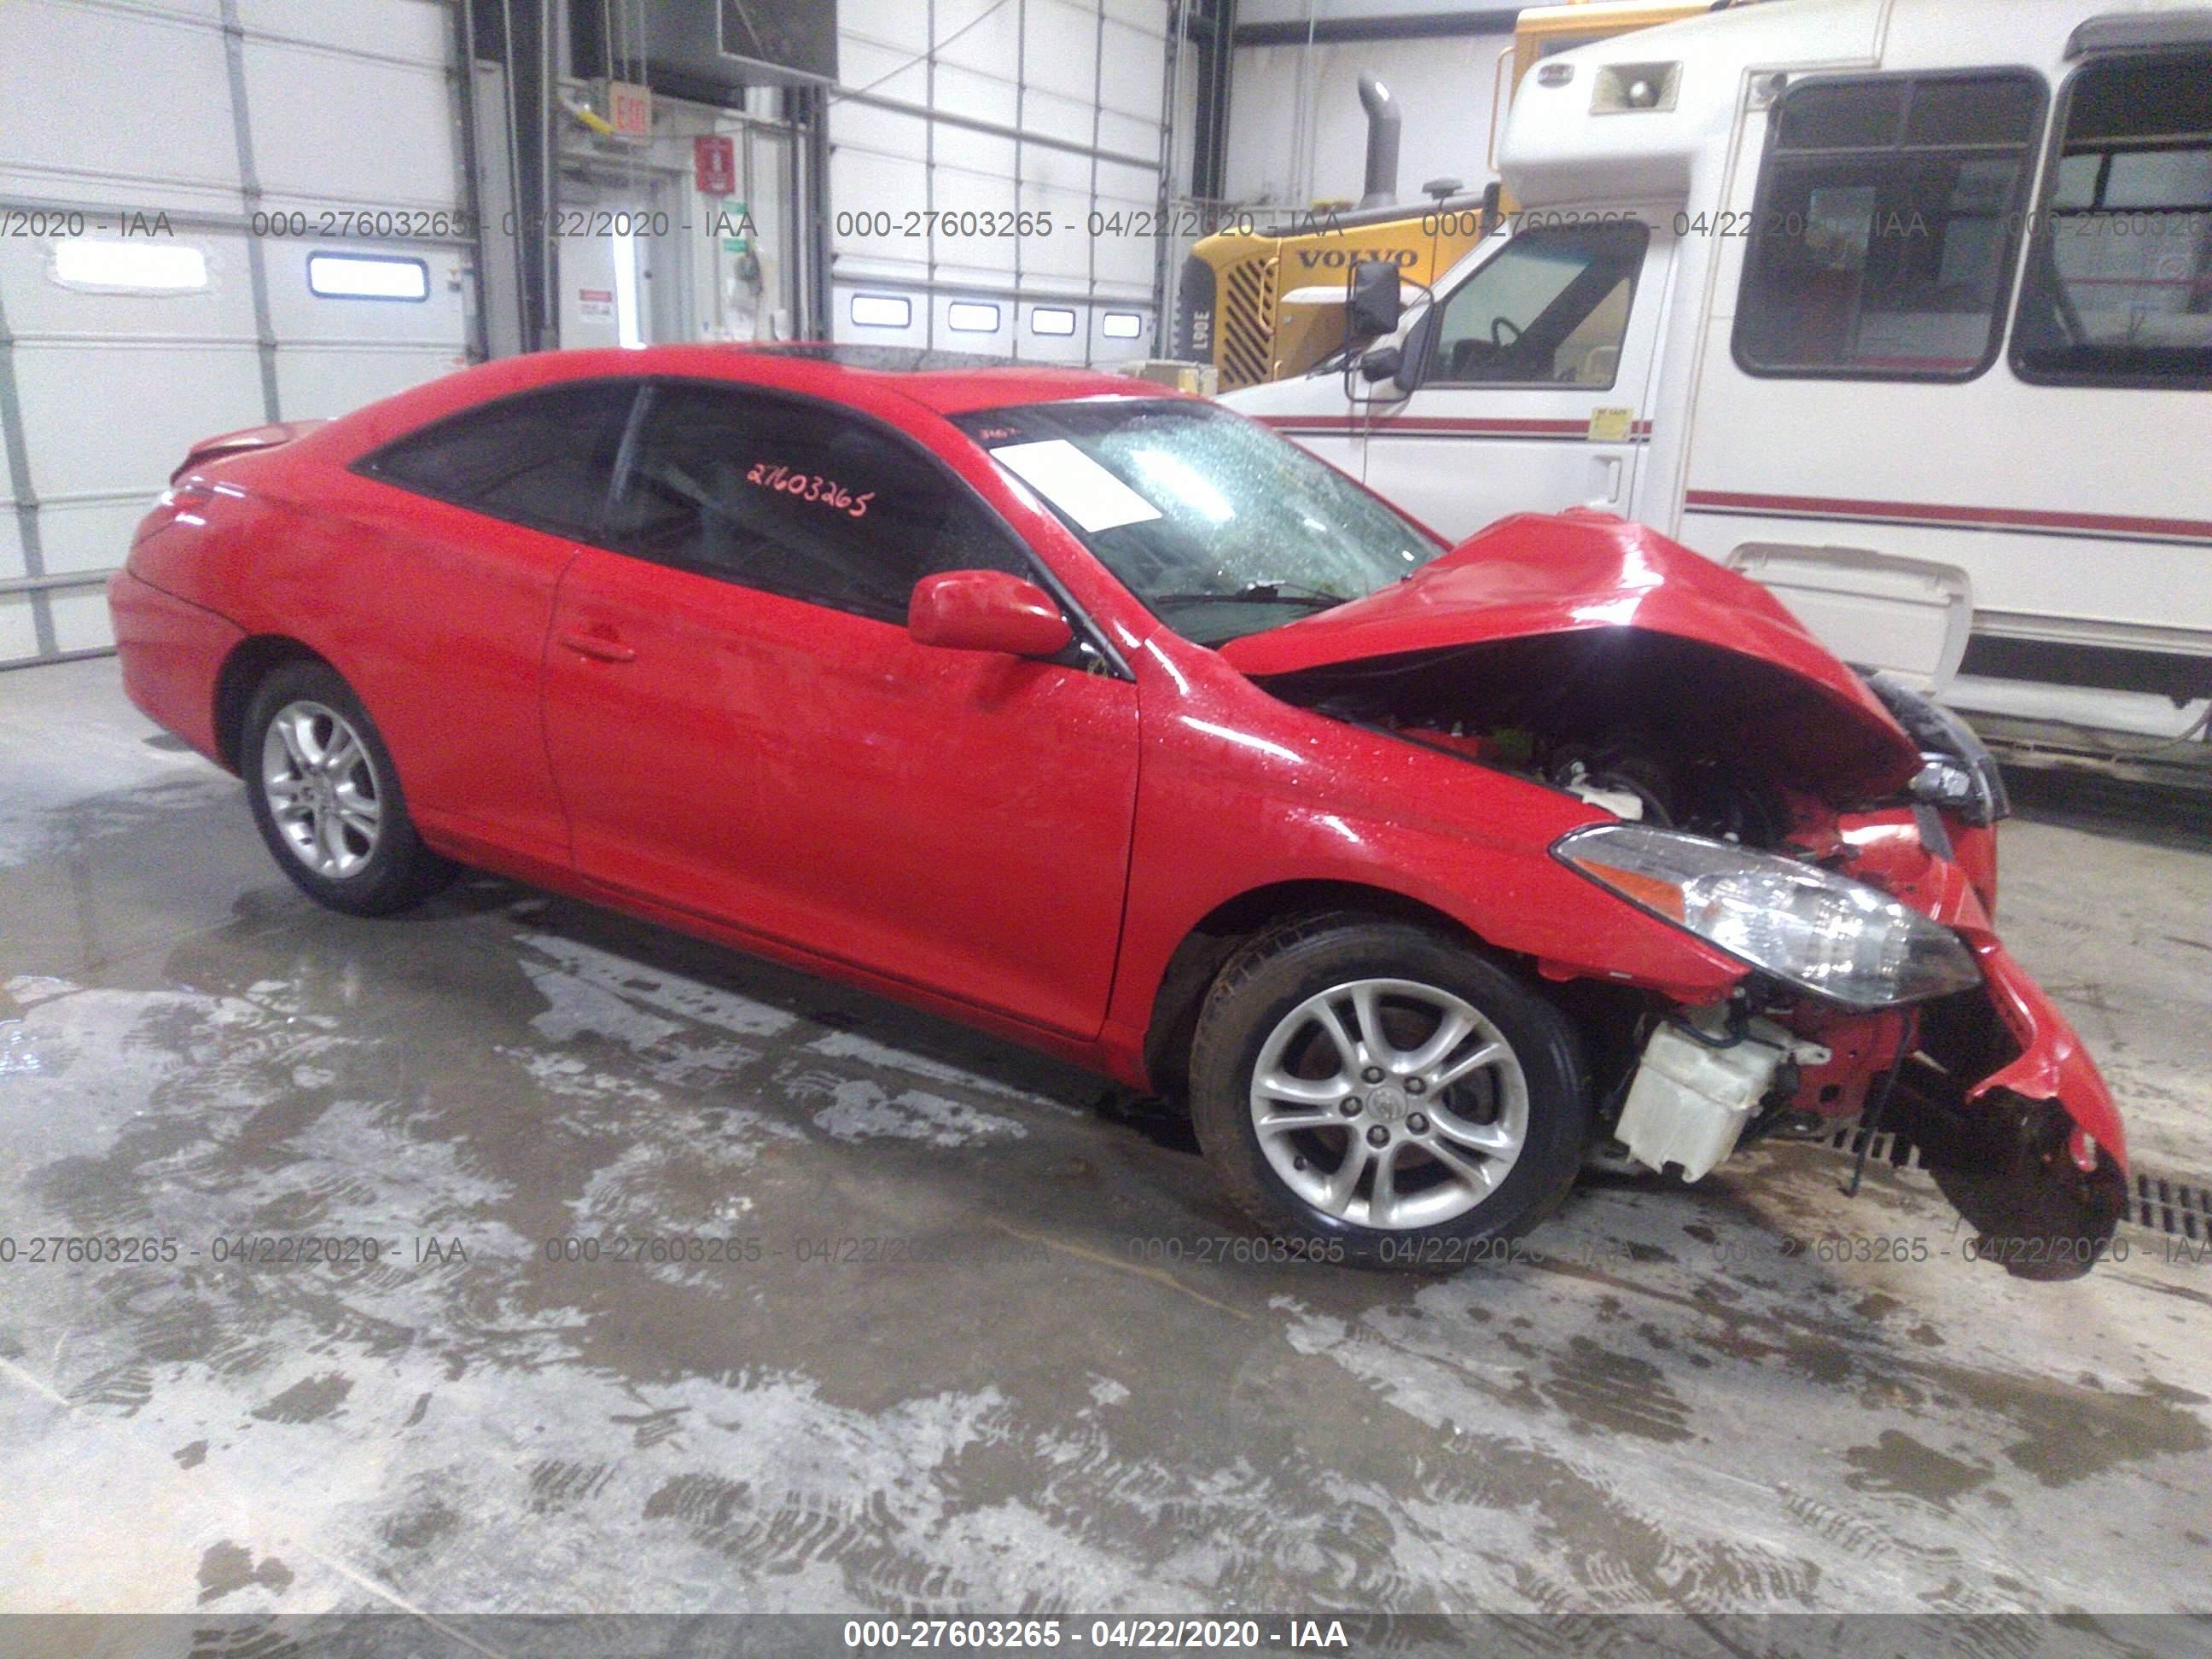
[1533,377]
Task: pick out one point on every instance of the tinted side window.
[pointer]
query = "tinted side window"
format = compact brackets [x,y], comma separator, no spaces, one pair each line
[2120,279]
[1885,228]
[543,459]
[799,499]
[1550,308]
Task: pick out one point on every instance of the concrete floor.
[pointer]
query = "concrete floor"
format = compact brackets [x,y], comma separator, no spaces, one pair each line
[1031,1409]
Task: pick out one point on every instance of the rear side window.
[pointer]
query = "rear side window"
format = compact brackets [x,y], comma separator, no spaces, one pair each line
[542,458]
[1883,239]
[1549,308]
[799,499]
[2118,289]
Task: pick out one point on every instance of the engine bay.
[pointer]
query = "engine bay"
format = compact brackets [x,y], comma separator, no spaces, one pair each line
[1652,728]
[1634,774]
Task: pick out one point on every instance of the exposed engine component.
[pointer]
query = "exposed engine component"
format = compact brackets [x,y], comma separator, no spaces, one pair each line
[1697,1086]
[1623,803]
[1644,776]
[1654,729]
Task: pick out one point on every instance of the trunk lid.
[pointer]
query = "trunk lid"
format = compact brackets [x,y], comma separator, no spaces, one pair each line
[224,445]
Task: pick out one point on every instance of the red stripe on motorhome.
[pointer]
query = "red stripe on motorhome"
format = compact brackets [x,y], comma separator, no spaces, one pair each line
[1940,513]
[1438,426]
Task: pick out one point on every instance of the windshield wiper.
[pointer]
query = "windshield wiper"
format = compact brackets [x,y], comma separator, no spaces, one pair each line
[1262,593]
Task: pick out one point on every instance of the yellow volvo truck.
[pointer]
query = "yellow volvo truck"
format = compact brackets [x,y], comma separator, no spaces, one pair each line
[1265,303]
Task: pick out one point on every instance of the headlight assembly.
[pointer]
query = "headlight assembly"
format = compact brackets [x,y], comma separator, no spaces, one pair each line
[1823,932]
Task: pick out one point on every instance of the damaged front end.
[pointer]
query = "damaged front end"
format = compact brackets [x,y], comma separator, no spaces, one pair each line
[1833,833]
[1880,994]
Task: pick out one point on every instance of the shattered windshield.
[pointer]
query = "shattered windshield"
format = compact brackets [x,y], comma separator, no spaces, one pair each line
[1218,525]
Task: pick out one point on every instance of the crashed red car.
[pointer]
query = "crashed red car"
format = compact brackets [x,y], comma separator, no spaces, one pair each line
[1106,721]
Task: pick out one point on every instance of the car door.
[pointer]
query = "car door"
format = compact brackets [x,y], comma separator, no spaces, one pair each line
[1532,378]
[743,728]
[444,594]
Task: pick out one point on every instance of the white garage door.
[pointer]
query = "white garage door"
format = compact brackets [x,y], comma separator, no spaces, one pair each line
[213,213]
[974,144]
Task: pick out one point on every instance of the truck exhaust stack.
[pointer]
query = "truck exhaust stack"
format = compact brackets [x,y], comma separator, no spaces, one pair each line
[1382,126]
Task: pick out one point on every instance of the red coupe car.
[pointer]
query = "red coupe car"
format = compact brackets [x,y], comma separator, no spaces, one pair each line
[1107,721]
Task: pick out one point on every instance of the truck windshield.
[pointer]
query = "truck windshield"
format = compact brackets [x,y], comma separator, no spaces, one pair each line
[1218,525]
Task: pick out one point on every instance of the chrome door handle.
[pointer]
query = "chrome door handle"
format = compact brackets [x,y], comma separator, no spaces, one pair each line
[603,650]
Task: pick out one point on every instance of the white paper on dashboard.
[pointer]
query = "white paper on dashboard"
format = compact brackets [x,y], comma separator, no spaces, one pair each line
[1075,484]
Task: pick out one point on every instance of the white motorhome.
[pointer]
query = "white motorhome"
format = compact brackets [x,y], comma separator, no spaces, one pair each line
[1903,307]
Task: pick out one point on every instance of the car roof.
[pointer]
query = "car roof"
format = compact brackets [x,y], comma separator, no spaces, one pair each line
[939,383]
[954,382]
[945,382]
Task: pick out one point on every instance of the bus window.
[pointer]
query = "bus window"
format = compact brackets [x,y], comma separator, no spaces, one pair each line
[1884,230]
[2118,289]
[1548,308]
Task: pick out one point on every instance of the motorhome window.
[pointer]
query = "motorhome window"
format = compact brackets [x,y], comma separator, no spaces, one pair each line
[1883,235]
[1549,308]
[2118,289]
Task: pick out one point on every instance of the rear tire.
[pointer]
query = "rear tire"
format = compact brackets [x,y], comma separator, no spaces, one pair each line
[1376,1088]
[325,796]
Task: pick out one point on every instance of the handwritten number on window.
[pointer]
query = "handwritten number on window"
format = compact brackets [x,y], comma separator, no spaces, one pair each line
[811,487]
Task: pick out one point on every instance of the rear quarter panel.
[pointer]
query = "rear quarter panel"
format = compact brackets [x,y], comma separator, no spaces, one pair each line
[437,618]
[171,651]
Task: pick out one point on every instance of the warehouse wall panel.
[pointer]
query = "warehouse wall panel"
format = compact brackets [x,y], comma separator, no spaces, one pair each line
[143,97]
[414,32]
[119,415]
[1297,133]
[1073,88]
[308,148]
[347,117]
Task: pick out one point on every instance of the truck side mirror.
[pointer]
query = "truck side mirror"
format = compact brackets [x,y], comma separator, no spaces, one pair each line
[1381,364]
[1413,357]
[1375,305]
[1493,196]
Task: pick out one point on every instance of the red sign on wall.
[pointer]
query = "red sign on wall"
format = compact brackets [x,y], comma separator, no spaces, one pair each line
[629,109]
[714,166]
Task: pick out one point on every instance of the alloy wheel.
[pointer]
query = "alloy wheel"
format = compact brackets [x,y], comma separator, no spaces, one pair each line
[1389,1103]
[322,789]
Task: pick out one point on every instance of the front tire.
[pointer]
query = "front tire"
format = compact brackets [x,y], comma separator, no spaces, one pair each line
[325,796]
[1378,1088]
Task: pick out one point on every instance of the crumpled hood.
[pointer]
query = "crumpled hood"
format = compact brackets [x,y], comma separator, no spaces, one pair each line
[1539,575]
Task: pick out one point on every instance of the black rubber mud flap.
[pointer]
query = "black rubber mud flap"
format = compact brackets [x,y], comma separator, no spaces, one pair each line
[2005,1166]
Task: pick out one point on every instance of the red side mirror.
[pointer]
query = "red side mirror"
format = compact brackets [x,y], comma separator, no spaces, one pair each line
[987,611]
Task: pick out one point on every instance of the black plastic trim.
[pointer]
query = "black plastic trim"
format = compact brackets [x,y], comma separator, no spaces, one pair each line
[2140,31]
